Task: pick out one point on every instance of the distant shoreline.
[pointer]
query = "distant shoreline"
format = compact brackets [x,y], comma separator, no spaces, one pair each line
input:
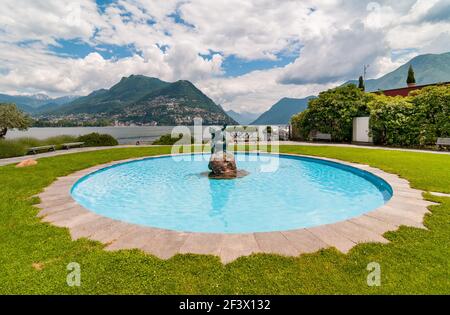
[123,134]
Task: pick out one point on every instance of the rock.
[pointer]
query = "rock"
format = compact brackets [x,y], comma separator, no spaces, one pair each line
[25,163]
[222,165]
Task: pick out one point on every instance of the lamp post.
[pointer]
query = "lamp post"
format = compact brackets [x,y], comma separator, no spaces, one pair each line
[365,71]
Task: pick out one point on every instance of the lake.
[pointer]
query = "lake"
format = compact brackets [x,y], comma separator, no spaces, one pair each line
[124,135]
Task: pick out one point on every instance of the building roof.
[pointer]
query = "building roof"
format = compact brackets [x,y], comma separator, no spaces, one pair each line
[405,91]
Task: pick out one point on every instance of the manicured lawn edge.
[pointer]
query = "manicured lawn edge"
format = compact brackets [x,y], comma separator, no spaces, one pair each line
[35,255]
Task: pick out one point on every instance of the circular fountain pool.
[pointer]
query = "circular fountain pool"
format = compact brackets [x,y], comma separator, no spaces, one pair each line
[280,193]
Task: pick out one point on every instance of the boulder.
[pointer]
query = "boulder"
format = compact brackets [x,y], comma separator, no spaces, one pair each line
[25,163]
[222,165]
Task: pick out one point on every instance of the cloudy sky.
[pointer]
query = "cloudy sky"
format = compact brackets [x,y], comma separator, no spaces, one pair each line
[245,54]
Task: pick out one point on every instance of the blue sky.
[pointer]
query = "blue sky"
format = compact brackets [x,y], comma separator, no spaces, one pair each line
[232,65]
[77,49]
[235,66]
[244,54]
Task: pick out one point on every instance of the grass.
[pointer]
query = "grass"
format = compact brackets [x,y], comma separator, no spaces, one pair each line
[19,146]
[34,255]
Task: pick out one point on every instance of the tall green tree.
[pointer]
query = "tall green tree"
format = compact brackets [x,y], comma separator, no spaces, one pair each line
[361,84]
[411,78]
[12,118]
[333,112]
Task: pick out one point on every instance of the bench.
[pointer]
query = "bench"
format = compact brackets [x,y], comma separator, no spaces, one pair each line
[442,142]
[67,146]
[35,150]
[322,136]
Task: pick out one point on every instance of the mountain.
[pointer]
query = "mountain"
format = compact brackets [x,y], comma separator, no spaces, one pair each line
[430,68]
[55,103]
[127,91]
[63,100]
[143,100]
[32,104]
[26,103]
[178,104]
[282,111]
[41,97]
[243,118]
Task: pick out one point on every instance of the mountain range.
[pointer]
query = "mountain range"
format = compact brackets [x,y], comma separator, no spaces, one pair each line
[282,111]
[142,100]
[429,68]
[243,118]
[38,103]
[128,91]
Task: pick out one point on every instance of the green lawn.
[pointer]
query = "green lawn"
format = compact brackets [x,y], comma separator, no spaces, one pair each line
[34,255]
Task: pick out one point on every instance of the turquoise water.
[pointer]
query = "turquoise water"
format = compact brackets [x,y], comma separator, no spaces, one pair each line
[280,193]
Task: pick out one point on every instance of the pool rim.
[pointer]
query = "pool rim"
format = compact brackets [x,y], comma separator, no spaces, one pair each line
[382,186]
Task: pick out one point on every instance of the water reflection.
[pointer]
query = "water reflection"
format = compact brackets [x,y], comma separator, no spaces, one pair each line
[221,192]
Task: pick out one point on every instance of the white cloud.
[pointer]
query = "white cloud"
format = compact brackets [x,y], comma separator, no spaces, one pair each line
[256,91]
[48,20]
[39,71]
[336,38]
[337,56]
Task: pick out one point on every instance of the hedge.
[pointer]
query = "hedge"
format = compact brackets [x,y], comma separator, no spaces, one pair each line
[97,140]
[169,140]
[19,146]
[417,120]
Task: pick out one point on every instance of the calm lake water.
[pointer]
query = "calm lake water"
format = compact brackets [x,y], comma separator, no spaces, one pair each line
[125,135]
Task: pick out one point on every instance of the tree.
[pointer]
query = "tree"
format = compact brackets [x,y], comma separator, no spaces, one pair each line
[361,84]
[411,78]
[333,112]
[12,118]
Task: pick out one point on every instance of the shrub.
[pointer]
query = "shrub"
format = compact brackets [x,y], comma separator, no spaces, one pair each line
[57,140]
[20,146]
[432,111]
[333,112]
[11,148]
[417,120]
[28,142]
[299,129]
[168,140]
[97,140]
[392,121]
